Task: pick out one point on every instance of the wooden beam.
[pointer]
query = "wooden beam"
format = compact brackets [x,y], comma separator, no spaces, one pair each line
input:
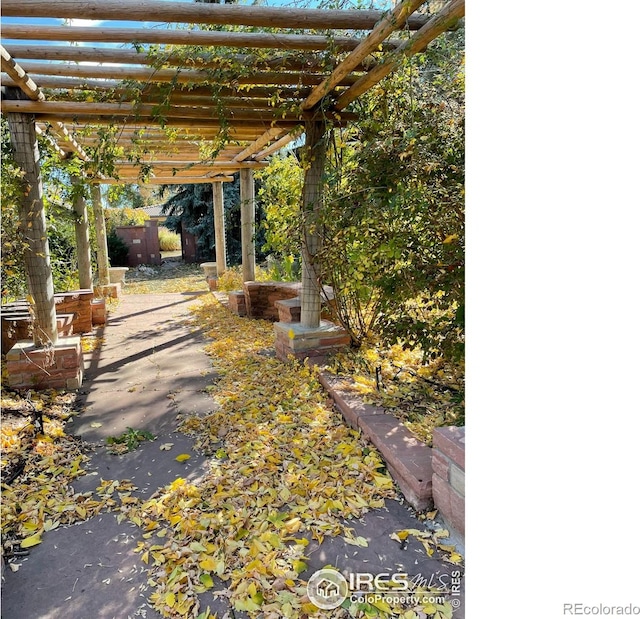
[276,146]
[257,40]
[441,21]
[244,129]
[33,92]
[210,166]
[261,142]
[75,83]
[181,76]
[52,141]
[163,180]
[144,110]
[20,77]
[200,13]
[162,57]
[393,20]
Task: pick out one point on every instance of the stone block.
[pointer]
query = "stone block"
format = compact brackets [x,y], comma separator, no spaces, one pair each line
[450,441]
[237,302]
[456,478]
[408,459]
[98,311]
[31,367]
[440,465]
[307,342]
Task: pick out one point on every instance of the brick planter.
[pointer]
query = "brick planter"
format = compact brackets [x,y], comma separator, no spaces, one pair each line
[313,343]
[237,303]
[59,368]
[98,312]
[448,475]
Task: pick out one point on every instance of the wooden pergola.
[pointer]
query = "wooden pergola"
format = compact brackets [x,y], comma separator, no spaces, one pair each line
[215,90]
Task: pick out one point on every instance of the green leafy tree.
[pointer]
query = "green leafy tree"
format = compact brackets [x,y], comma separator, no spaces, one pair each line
[394,216]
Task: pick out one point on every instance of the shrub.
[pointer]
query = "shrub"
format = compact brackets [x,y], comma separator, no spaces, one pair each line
[118,250]
[231,279]
[169,241]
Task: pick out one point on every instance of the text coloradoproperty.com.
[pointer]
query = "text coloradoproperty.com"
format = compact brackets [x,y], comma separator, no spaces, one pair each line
[600,609]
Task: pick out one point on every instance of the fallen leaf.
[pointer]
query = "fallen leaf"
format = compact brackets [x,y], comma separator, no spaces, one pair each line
[182,457]
[166,446]
[33,540]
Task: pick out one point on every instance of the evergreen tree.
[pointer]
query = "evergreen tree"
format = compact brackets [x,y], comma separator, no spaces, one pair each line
[190,209]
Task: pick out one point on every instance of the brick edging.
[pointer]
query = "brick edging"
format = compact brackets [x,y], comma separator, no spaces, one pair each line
[408,459]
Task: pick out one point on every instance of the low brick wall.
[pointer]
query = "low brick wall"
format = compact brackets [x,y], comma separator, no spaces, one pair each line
[73,314]
[143,243]
[448,475]
[17,327]
[237,303]
[314,343]
[59,368]
[78,303]
[261,297]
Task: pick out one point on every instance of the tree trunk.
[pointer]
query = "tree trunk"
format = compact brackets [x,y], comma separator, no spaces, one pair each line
[83,247]
[33,227]
[101,236]
[218,224]
[247,223]
[312,192]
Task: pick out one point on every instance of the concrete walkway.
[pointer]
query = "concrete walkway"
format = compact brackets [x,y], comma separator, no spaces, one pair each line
[150,370]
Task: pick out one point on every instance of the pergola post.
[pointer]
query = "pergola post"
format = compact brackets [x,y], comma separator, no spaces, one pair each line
[218,224]
[247,223]
[33,227]
[101,235]
[316,148]
[312,338]
[83,247]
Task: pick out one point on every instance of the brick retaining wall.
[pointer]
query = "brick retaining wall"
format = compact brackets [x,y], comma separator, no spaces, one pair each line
[448,475]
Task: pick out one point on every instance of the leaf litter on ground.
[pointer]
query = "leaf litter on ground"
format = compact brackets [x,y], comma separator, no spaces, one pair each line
[285,469]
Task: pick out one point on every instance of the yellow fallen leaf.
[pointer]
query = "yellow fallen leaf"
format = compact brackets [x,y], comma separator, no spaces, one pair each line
[182,457]
[33,540]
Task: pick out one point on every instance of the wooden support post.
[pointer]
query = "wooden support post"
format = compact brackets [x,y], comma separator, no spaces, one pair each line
[33,227]
[218,224]
[247,223]
[83,248]
[315,153]
[101,235]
